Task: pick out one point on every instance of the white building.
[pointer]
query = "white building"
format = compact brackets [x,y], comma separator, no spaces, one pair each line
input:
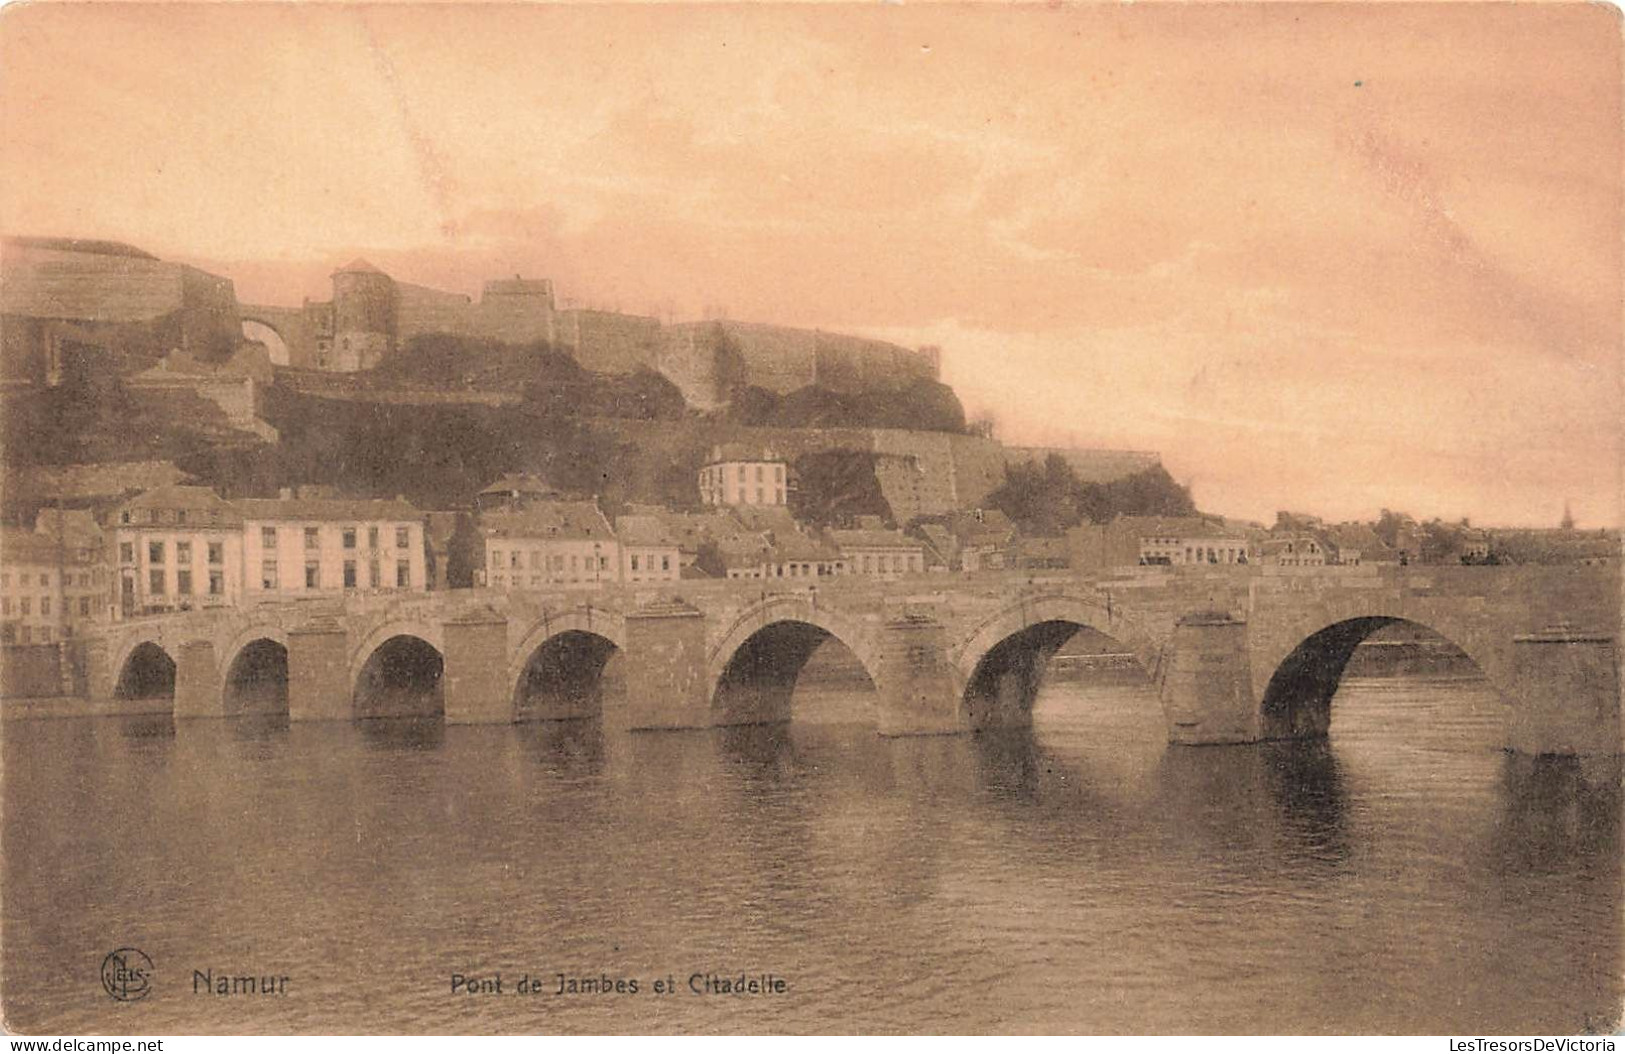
[176,548]
[738,475]
[549,544]
[301,545]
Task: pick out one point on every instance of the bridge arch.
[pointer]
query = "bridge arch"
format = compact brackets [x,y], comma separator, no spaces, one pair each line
[753,668]
[398,670]
[1000,663]
[1295,701]
[557,671]
[255,672]
[145,670]
[276,347]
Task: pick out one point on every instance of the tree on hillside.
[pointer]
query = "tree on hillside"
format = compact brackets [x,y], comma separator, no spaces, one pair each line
[835,486]
[1045,498]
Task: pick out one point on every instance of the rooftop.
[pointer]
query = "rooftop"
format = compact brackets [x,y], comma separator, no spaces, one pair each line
[577,520]
[327,509]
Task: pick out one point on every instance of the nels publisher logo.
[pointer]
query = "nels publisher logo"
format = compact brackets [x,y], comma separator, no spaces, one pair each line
[127,974]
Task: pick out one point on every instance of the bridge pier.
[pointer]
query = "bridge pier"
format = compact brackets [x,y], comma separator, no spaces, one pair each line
[1206,685]
[1566,689]
[199,687]
[918,696]
[476,670]
[319,672]
[666,668]
[101,679]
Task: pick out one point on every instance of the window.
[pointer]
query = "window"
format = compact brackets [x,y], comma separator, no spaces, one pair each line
[634,563]
[759,473]
[312,538]
[535,559]
[603,563]
[217,552]
[313,575]
[374,579]
[180,515]
[403,574]
[269,579]
[45,580]
[267,538]
[349,537]
[372,537]
[496,559]
[27,605]
[741,473]
[402,537]
[44,605]
[778,473]
[575,562]
[26,634]
[183,552]
[155,583]
[183,583]
[217,583]
[513,559]
[665,563]
[5,605]
[558,562]
[349,569]
[155,552]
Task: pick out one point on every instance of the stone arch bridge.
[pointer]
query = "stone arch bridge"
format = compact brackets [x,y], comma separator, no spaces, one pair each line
[1237,654]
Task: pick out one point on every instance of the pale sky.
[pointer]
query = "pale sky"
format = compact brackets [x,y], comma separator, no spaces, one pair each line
[1325,258]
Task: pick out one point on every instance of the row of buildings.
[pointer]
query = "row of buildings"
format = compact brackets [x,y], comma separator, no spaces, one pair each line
[177,546]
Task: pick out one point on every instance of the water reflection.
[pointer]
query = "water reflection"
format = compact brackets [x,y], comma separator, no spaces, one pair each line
[1451,887]
[390,734]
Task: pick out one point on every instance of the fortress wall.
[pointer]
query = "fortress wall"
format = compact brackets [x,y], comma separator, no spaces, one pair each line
[419,310]
[691,363]
[932,489]
[855,364]
[515,318]
[210,322]
[978,468]
[607,342]
[775,357]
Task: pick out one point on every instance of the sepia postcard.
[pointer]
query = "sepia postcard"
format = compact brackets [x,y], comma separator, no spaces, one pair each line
[874,518]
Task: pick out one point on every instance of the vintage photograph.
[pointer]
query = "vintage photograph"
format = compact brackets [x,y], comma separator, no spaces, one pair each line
[811,518]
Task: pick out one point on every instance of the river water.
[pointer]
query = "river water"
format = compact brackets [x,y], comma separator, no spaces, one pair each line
[1407,876]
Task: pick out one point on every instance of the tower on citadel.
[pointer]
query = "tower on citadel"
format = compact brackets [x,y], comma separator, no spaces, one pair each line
[363,317]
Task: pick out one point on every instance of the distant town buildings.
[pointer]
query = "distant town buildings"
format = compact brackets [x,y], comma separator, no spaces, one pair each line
[53,583]
[549,543]
[735,474]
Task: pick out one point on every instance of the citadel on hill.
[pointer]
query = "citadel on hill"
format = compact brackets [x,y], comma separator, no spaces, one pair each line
[372,314]
[196,366]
